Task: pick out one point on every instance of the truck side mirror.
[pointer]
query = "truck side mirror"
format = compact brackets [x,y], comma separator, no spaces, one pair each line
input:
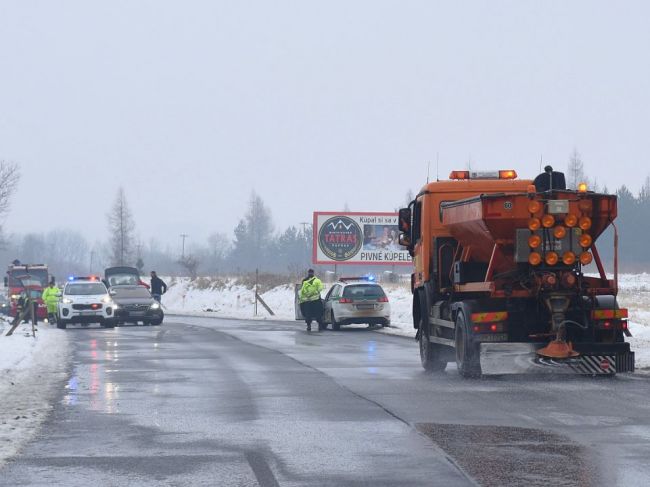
[6,281]
[405,220]
[404,239]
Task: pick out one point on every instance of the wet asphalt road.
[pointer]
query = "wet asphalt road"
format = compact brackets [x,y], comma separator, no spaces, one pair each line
[224,402]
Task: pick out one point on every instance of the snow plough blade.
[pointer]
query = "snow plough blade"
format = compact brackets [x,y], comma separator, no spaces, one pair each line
[522,358]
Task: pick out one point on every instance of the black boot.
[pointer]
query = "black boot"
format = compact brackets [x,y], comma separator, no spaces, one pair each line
[308,325]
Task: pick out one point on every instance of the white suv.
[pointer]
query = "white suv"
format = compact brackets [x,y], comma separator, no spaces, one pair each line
[86,300]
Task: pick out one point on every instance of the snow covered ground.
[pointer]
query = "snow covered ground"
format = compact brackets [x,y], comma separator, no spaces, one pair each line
[31,369]
[236,301]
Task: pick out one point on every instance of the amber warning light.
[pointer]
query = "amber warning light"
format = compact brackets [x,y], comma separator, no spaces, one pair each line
[502,174]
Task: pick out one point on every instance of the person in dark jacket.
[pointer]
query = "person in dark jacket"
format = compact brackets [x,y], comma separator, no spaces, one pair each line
[158,286]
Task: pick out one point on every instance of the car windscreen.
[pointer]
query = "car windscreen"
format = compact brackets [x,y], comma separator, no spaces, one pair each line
[122,280]
[85,289]
[137,292]
[363,291]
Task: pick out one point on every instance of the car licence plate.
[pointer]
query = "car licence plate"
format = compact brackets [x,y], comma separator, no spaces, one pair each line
[137,313]
[88,313]
[365,306]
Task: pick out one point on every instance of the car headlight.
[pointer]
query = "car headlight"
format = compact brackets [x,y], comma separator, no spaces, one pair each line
[107,300]
[66,301]
[155,306]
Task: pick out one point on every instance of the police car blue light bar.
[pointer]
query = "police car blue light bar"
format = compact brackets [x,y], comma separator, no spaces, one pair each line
[83,278]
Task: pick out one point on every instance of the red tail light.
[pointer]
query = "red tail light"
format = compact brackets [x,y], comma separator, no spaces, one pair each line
[383,299]
[345,300]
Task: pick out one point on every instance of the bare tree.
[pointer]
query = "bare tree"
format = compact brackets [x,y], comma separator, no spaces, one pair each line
[121,228]
[190,265]
[9,178]
[409,197]
[575,170]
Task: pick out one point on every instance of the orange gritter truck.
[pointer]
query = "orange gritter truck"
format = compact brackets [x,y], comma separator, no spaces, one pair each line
[499,283]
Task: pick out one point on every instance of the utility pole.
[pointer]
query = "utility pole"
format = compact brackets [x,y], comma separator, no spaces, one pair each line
[92,258]
[304,226]
[183,236]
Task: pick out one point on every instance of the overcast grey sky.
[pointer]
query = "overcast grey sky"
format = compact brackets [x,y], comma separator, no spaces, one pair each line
[189,105]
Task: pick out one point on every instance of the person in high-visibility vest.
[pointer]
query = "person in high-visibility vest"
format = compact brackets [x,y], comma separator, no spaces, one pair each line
[51,299]
[311,304]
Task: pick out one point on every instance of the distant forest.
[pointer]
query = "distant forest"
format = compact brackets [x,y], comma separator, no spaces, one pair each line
[633,221]
[633,231]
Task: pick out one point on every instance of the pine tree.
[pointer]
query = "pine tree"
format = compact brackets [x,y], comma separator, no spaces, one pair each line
[254,235]
[575,170]
[121,227]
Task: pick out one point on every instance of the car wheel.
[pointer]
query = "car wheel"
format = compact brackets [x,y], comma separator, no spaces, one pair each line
[156,322]
[60,324]
[336,326]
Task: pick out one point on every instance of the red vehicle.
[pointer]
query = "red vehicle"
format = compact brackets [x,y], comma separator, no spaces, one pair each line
[32,279]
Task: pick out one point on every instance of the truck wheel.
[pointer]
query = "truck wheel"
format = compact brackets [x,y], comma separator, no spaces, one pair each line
[429,352]
[467,359]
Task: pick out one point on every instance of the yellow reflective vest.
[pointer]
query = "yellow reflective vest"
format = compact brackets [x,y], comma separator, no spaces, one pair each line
[51,298]
[311,289]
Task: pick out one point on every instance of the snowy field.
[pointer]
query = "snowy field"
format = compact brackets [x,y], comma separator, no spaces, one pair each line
[31,369]
[236,301]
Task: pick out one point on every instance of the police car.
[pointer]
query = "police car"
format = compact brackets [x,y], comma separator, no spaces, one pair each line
[356,300]
[85,300]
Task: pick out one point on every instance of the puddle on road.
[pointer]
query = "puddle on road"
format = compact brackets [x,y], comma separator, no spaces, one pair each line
[503,455]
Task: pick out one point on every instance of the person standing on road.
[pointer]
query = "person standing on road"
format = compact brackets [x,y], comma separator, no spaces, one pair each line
[311,304]
[51,299]
[158,286]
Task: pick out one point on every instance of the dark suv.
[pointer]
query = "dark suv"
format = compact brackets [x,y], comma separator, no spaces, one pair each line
[134,304]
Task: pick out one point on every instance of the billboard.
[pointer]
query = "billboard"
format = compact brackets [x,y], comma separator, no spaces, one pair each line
[357,238]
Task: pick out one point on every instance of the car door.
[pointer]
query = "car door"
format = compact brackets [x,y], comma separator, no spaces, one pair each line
[327,305]
[334,301]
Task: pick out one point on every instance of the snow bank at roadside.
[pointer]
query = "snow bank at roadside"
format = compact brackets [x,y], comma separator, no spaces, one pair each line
[31,369]
[236,301]
[634,294]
